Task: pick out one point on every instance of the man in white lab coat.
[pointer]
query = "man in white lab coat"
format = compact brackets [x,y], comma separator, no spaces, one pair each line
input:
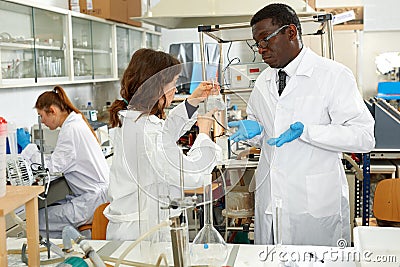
[303,120]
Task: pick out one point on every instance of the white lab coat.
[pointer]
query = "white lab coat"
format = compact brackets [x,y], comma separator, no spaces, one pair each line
[79,157]
[307,174]
[155,166]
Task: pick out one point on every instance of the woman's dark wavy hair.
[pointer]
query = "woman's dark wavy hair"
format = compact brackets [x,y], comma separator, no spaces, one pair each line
[144,64]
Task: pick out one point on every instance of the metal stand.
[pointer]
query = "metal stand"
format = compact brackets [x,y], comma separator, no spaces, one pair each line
[366,188]
[362,192]
[46,214]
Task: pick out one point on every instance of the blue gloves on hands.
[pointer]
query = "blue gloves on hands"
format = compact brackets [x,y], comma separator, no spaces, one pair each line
[247,129]
[294,132]
[23,138]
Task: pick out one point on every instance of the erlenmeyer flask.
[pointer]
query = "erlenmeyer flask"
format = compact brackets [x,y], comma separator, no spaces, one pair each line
[208,247]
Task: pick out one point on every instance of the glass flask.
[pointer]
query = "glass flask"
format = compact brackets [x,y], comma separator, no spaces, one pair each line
[208,247]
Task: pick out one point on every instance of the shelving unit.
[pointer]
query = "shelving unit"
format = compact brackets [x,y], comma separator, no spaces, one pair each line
[42,45]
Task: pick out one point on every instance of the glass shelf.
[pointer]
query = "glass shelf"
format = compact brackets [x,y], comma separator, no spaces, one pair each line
[41,45]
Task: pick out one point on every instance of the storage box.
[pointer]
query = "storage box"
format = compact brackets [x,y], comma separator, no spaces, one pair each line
[134,10]
[116,10]
[355,24]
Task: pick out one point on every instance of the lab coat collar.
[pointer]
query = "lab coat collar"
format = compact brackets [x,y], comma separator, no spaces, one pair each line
[71,117]
[304,67]
[133,114]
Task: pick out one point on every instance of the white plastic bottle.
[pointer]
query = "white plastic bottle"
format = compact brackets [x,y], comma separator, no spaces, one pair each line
[3,135]
[92,112]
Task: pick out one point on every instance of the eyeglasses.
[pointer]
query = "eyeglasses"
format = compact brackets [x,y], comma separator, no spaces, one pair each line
[264,42]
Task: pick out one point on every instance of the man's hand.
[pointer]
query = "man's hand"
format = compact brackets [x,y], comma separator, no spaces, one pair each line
[294,132]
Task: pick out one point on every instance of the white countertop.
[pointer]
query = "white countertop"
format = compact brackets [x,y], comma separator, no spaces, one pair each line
[247,255]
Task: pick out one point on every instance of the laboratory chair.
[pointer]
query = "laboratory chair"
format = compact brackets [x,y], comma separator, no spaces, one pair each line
[98,226]
[386,204]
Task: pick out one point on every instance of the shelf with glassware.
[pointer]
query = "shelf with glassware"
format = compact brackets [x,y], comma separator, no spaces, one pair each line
[32,45]
[42,45]
[92,49]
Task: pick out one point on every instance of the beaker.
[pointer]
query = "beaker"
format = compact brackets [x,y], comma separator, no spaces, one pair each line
[208,247]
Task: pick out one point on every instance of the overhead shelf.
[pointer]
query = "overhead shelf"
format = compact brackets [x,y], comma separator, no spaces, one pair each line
[312,24]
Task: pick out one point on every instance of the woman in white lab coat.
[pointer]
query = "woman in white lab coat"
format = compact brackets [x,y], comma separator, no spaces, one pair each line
[145,172]
[78,156]
[305,175]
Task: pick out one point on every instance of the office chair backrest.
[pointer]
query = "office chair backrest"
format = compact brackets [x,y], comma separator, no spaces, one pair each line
[99,224]
[386,205]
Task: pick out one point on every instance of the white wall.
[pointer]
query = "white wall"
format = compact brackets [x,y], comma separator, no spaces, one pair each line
[16,104]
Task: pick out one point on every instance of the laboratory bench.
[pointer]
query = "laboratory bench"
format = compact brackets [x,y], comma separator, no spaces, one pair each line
[373,247]
[238,255]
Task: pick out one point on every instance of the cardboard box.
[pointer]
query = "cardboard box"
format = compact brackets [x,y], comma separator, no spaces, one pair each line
[134,10]
[116,10]
[356,24]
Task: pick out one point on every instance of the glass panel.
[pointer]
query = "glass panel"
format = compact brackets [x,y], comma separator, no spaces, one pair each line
[102,52]
[149,40]
[16,44]
[50,43]
[122,50]
[82,48]
[155,41]
[128,41]
[135,41]
[152,41]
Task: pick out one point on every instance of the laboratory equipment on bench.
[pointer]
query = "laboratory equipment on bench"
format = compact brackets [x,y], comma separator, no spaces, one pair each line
[69,233]
[90,113]
[48,140]
[242,76]
[208,247]
[18,170]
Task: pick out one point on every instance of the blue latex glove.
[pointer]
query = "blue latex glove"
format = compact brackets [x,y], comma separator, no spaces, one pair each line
[247,129]
[294,132]
[23,138]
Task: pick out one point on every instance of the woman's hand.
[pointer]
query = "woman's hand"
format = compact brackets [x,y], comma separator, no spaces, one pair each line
[204,122]
[204,89]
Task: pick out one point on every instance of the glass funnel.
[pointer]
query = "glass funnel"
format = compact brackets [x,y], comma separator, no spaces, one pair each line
[208,247]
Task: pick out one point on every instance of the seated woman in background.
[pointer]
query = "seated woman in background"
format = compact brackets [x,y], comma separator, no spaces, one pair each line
[77,155]
[147,160]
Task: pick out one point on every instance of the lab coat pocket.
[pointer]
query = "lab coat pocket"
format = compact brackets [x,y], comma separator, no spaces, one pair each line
[323,194]
[308,109]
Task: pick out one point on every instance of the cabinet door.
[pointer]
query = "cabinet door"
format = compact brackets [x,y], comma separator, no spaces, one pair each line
[128,41]
[122,50]
[152,41]
[135,41]
[82,48]
[102,50]
[50,45]
[16,44]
